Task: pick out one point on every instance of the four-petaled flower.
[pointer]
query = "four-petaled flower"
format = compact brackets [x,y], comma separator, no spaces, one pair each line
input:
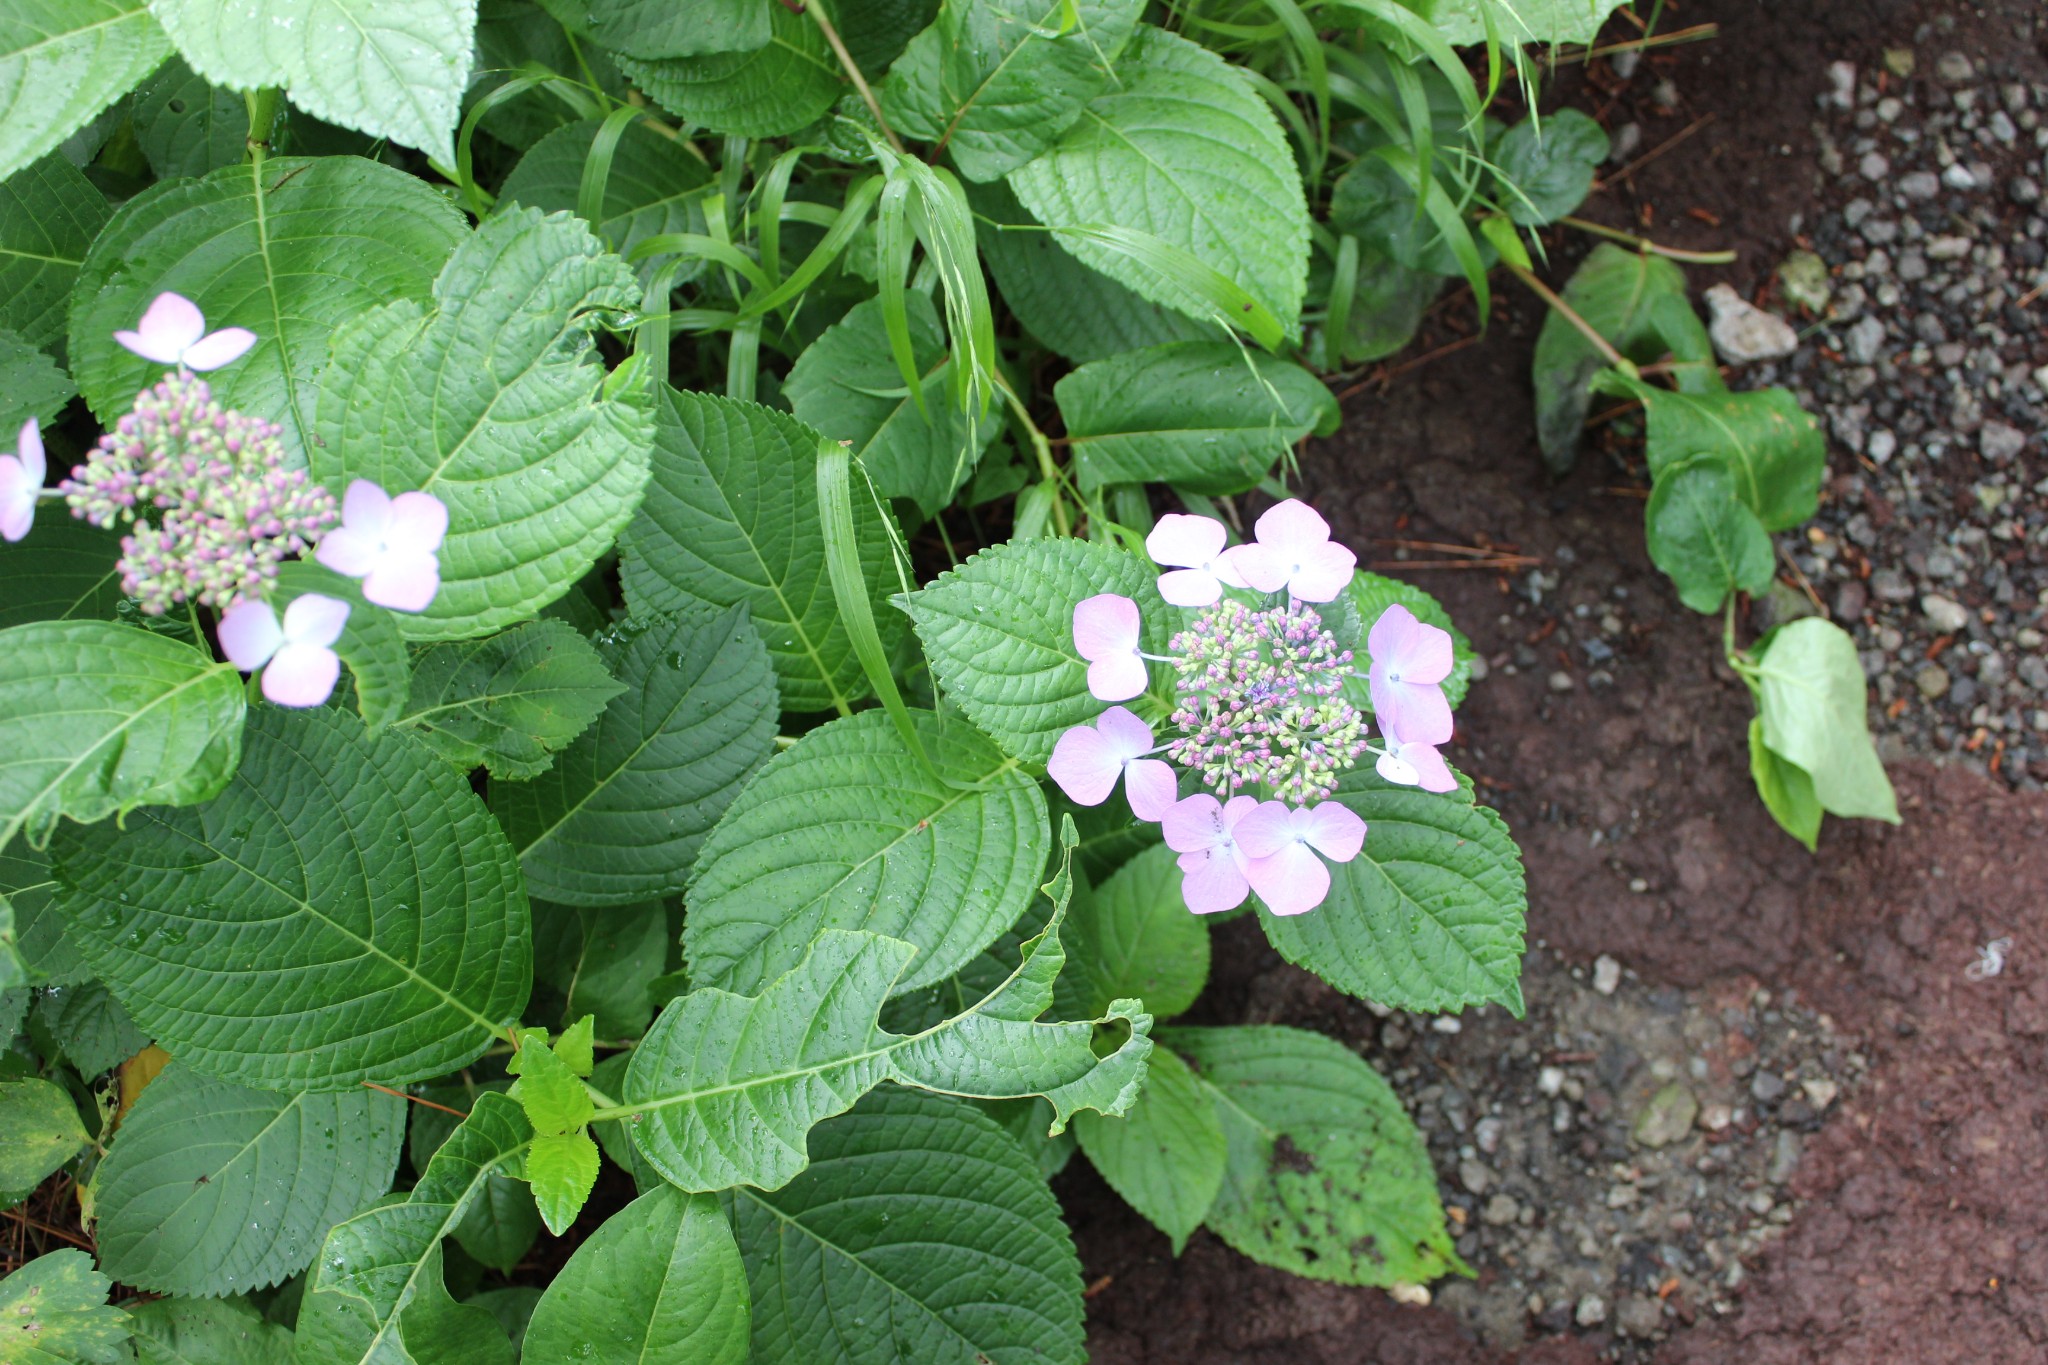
[1088,760]
[1214,867]
[1294,551]
[1197,544]
[1106,632]
[1281,843]
[21,482]
[1413,764]
[173,332]
[393,545]
[302,663]
[1410,660]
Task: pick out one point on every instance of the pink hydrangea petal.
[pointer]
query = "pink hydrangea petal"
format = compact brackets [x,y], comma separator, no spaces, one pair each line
[17,499]
[419,521]
[220,348]
[1105,625]
[1267,829]
[1150,787]
[348,552]
[1185,540]
[1323,573]
[250,634]
[1236,809]
[1293,528]
[315,619]
[1292,881]
[1263,568]
[1418,713]
[1190,588]
[301,675]
[1432,773]
[1117,678]
[169,325]
[1391,634]
[406,580]
[1224,566]
[1397,770]
[1333,829]
[366,510]
[1127,736]
[1085,765]
[28,449]
[1193,824]
[1214,884]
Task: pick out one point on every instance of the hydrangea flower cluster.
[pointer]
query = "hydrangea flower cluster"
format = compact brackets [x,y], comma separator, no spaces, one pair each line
[1260,713]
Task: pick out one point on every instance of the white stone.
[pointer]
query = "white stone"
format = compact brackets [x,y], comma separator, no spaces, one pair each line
[1606,974]
[1743,332]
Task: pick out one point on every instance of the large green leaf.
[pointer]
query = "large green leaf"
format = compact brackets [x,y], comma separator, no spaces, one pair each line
[1208,416]
[659,1284]
[1182,148]
[43,1132]
[345,910]
[997,83]
[850,830]
[500,1224]
[654,185]
[63,570]
[28,894]
[1428,916]
[876,31]
[207,1332]
[724,1087]
[620,816]
[97,719]
[53,1311]
[1812,699]
[999,631]
[290,249]
[31,385]
[187,127]
[731,515]
[1772,448]
[1133,937]
[1165,1157]
[846,385]
[389,68]
[603,963]
[1548,164]
[49,215]
[508,702]
[1327,1176]
[661,28]
[775,89]
[496,403]
[1703,537]
[1518,22]
[61,62]
[213,1189]
[922,1235]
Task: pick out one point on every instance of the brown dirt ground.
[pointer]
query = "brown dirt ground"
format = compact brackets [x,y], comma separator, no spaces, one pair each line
[1922,1235]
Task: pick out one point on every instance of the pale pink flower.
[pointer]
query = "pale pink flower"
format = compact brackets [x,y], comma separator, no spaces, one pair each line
[1294,551]
[1411,764]
[1107,630]
[1281,843]
[1088,760]
[1410,660]
[303,666]
[393,545]
[1213,867]
[173,332]
[1197,544]
[21,482]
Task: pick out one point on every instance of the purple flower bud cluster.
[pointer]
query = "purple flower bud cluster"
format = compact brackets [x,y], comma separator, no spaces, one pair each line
[1261,702]
[228,510]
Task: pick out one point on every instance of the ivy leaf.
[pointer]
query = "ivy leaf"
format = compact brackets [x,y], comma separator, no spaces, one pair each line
[64,570]
[508,702]
[389,68]
[1133,937]
[207,1332]
[394,936]
[1181,148]
[603,962]
[846,385]
[1786,789]
[774,89]
[655,185]
[1369,595]
[850,830]
[145,719]
[621,815]
[658,28]
[998,83]
[290,249]
[53,1311]
[498,404]
[49,215]
[213,1189]
[1812,700]
[1548,165]
[1429,916]
[922,1233]
[1327,1176]
[1703,538]
[1165,1157]
[562,1168]
[31,385]
[659,1284]
[370,643]
[91,1029]
[186,127]
[1771,447]
[731,515]
[43,1132]
[999,632]
[1208,416]
[61,62]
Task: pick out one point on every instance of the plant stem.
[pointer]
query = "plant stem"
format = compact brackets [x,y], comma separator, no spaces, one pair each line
[262,105]
[852,69]
[1047,469]
[1645,244]
[1586,329]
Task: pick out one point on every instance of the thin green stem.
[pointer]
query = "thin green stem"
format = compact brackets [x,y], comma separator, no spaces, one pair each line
[1645,244]
[1586,329]
[1047,467]
[852,69]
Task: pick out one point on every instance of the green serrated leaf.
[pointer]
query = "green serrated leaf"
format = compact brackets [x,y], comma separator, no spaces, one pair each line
[1429,916]
[1772,449]
[850,830]
[500,1224]
[1812,700]
[61,62]
[1133,937]
[621,815]
[290,250]
[655,186]
[562,1168]
[775,89]
[394,936]
[1182,148]
[145,719]
[576,1046]
[1369,595]
[389,68]
[90,1027]
[999,632]
[1165,1157]
[731,516]
[922,1233]
[1208,416]
[53,1311]
[28,893]
[213,1189]
[49,215]
[1704,539]
[187,127]
[549,1091]
[1327,1176]
[497,403]
[1786,789]
[650,29]
[207,1332]
[63,570]
[508,702]
[43,1132]
[659,1284]
[1548,164]
[31,385]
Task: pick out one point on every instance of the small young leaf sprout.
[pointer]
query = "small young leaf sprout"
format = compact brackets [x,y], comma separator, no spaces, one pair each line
[1261,715]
